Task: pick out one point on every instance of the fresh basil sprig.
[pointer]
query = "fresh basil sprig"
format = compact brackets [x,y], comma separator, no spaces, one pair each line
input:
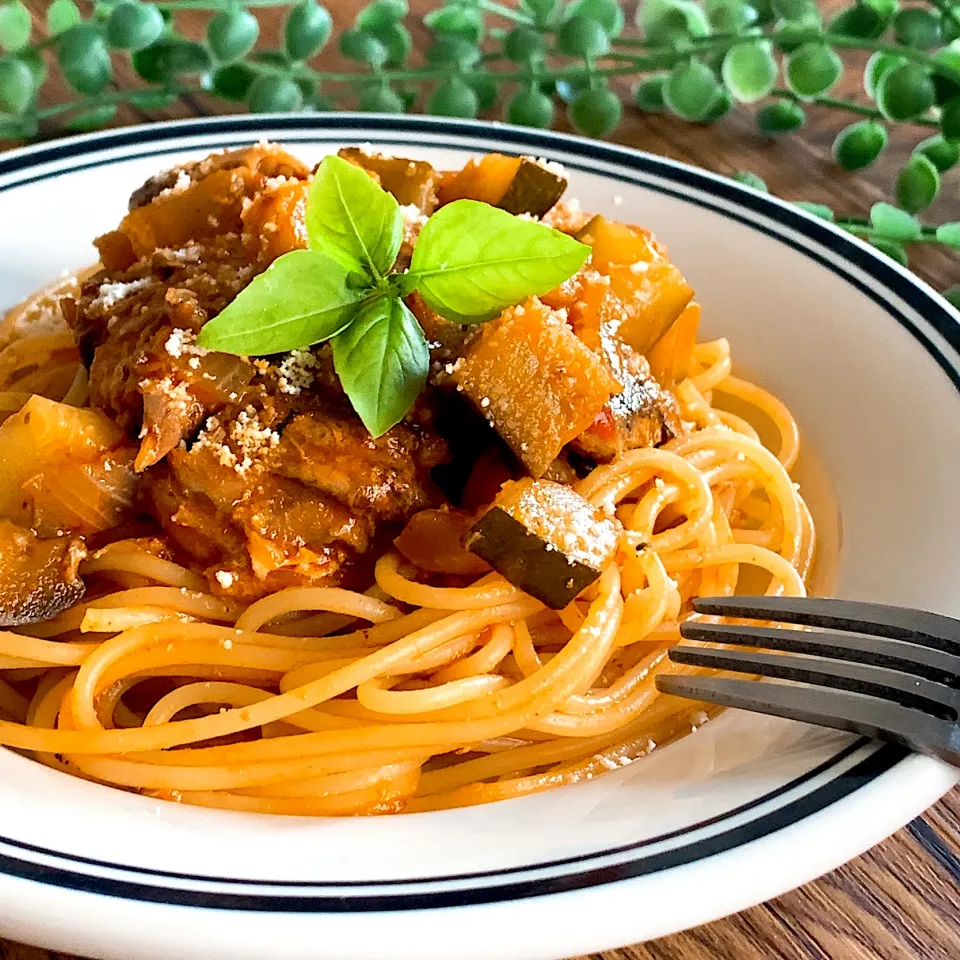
[470,262]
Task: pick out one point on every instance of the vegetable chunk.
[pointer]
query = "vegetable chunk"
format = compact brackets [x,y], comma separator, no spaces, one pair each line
[515,184]
[38,578]
[535,381]
[545,539]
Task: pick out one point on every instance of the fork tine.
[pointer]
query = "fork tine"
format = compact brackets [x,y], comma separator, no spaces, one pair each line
[875,681]
[857,647]
[853,712]
[898,623]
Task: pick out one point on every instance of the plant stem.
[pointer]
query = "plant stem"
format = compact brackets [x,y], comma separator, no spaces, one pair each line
[861,227]
[110,99]
[507,13]
[860,109]
[723,42]
[174,5]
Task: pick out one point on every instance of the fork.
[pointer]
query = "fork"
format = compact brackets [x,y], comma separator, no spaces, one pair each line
[886,672]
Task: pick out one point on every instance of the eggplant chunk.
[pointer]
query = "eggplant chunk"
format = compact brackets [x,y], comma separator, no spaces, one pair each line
[534,189]
[545,539]
[38,578]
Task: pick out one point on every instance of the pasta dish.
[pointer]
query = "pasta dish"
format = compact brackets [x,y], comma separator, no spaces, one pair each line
[324,496]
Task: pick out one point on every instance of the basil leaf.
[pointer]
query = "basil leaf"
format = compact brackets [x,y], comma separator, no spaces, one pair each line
[472,260]
[352,219]
[302,298]
[382,361]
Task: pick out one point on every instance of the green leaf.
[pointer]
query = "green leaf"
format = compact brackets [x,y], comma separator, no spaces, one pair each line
[455,98]
[878,65]
[666,21]
[17,85]
[269,94]
[381,13]
[92,119]
[91,74]
[862,20]
[380,99]
[894,224]
[608,13]
[363,47]
[456,21]
[163,60]
[133,26]
[949,235]
[302,298]
[649,94]
[730,16]
[784,116]
[233,82]
[485,87]
[14,26]
[793,9]
[232,34]
[452,50]
[859,144]
[525,45]
[813,69]
[916,27]
[892,249]
[750,70]
[307,29]
[396,38]
[596,111]
[952,296]
[472,260]
[816,209]
[530,108]
[917,184]
[790,36]
[721,106]
[382,361]
[352,219]
[690,91]
[750,179]
[583,37]
[62,15]
[943,154]
[905,92]
[950,119]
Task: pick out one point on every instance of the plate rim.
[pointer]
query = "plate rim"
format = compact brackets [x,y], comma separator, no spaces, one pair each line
[932,776]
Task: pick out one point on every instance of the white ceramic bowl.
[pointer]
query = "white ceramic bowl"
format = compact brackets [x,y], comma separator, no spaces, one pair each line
[868,358]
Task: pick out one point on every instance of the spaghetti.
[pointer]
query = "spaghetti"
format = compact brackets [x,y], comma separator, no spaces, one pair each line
[243,680]
[416,697]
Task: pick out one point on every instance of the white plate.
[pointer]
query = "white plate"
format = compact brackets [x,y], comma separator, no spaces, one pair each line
[749,807]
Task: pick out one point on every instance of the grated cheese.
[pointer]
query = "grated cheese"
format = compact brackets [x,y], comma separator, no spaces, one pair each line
[224,578]
[296,371]
[182,342]
[112,293]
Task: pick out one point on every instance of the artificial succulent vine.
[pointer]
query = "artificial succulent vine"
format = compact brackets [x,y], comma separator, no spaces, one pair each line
[526,63]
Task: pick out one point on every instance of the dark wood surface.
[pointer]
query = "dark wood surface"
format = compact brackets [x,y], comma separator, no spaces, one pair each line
[901,900]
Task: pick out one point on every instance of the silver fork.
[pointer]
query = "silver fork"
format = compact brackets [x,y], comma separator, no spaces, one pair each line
[885,672]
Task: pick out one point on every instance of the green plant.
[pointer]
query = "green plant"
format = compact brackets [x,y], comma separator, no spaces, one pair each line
[470,262]
[692,58]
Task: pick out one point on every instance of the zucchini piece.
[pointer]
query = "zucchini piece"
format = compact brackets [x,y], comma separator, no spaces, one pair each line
[535,382]
[533,190]
[410,181]
[545,539]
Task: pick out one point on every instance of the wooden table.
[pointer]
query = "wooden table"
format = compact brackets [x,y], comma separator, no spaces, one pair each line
[902,899]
